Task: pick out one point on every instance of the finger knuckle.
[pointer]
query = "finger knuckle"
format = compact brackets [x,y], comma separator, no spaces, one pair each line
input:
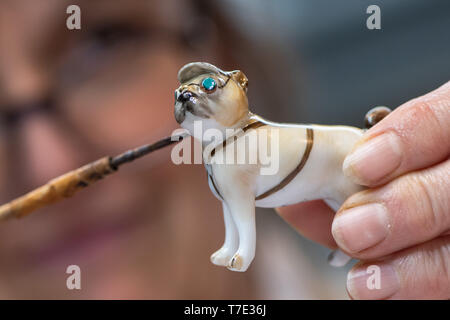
[437,266]
[413,206]
[425,122]
[420,195]
[428,267]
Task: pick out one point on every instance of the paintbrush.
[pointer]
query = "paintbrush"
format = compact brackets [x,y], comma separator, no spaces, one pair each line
[71,182]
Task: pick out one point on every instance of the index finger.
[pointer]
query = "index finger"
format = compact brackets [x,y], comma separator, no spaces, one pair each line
[414,136]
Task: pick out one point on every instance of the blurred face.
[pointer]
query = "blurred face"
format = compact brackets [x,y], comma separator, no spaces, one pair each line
[70,97]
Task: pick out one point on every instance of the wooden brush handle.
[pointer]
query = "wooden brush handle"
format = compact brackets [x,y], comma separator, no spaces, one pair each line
[58,188]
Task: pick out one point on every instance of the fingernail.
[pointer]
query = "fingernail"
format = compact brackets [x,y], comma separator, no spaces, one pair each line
[361,227]
[375,281]
[374,159]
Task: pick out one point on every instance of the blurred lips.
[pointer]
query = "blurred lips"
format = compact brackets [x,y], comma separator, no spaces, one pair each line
[86,241]
[79,230]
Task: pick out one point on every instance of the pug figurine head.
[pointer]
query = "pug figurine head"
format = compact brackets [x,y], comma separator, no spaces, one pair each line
[208,94]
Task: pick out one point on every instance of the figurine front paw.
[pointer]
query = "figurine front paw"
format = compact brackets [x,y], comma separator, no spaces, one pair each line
[238,263]
[221,257]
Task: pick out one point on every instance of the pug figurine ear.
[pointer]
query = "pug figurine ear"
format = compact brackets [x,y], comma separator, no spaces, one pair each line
[240,79]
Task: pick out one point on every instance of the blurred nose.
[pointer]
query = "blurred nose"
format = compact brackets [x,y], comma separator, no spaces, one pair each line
[185,96]
[44,150]
[47,150]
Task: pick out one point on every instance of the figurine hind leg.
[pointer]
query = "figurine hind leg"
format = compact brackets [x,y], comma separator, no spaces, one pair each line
[222,256]
[337,258]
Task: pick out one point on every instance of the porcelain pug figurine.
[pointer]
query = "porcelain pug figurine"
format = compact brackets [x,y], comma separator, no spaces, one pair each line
[310,158]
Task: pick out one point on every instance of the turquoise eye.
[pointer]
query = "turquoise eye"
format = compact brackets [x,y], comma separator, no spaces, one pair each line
[209,84]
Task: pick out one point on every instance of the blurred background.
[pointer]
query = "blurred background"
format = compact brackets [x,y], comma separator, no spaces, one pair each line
[68,97]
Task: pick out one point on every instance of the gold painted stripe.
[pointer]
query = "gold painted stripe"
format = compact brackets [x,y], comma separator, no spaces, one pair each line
[252,125]
[214,186]
[285,181]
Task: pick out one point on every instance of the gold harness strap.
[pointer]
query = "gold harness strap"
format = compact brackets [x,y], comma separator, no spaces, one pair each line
[293,174]
[253,125]
[288,178]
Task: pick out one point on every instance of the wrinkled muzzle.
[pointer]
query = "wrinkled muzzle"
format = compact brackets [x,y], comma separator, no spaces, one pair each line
[189,101]
[180,112]
[184,102]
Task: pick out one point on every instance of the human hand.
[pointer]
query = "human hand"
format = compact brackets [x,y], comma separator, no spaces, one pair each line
[402,222]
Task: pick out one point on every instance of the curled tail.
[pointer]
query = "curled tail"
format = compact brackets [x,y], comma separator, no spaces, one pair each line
[375,115]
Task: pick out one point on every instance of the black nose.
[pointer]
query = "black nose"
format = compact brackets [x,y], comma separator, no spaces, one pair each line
[185,96]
